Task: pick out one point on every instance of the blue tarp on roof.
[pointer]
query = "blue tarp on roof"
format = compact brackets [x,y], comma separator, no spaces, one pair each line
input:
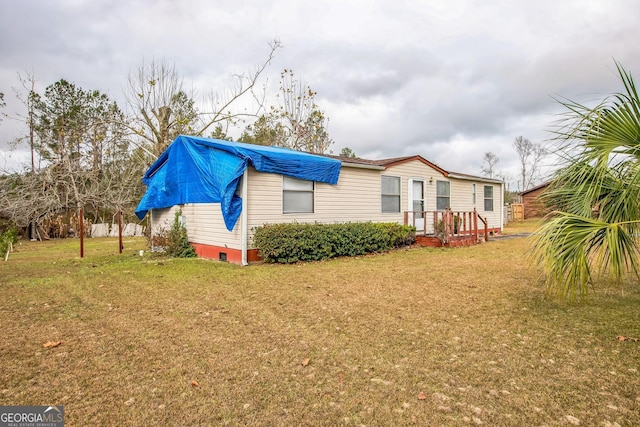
[203,170]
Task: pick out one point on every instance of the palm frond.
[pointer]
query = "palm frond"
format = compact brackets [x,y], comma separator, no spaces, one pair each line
[595,225]
[573,251]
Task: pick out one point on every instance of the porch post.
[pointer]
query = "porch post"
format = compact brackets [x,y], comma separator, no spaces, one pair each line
[81,226]
[120,231]
[435,222]
[424,220]
[447,224]
[475,224]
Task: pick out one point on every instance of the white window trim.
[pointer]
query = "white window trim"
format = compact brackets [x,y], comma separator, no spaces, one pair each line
[485,198]
[438,196]
[473,193]
[312,191]
[410,199]
[399,195]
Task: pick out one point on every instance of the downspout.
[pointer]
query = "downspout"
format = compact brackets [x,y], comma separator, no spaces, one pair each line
[244,221]
[151,230]
[502,207]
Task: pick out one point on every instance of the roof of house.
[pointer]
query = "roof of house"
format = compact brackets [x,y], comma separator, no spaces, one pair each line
[185,173]
[537,187]
[383,164]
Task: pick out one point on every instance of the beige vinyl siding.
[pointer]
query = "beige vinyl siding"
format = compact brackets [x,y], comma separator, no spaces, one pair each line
[462,199]
[494,217]
[461,191]
[264,196]
[205,225]
[162,219]
[415,169]
[356,197]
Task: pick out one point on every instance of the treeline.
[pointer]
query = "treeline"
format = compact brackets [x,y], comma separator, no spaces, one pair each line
[87,151]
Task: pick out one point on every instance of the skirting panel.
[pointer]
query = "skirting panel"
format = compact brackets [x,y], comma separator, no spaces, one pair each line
[221,253]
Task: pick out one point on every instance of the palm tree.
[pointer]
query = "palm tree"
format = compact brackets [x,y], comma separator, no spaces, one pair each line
[592,232]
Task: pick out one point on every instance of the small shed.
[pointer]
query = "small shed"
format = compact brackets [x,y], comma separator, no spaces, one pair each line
[533,205]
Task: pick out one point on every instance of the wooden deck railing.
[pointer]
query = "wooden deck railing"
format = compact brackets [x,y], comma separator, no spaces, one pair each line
[447,225]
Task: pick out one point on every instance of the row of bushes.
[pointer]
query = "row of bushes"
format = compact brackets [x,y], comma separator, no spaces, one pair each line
[289,243]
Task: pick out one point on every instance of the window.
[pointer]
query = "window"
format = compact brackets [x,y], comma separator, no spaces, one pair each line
[390,194]
[488,197]
[473,194]
[443,192]
[297,195]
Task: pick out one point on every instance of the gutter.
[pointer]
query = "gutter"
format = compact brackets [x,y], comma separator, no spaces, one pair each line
[474,178]
[362,166]
[244,220]
[151,229]
[502,207]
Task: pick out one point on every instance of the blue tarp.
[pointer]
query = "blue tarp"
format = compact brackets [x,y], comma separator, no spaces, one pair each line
[203,170]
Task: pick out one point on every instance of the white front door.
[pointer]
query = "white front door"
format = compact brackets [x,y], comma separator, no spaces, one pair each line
[416,203]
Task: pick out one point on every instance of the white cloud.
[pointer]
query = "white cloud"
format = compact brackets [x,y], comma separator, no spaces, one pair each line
[447,80]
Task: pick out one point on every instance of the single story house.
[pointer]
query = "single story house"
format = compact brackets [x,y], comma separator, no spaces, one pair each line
[226,189]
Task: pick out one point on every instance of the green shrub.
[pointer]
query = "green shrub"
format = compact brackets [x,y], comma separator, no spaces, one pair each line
[398,235]
[177,241]
[293,242]
[457,222]
[8,239]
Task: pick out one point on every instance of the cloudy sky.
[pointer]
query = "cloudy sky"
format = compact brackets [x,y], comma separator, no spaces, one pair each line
[449,80]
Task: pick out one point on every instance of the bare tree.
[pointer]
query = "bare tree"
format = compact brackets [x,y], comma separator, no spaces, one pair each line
[163,109]
[530,155]
[304,124]
[489,161]
[85,154]
[153,94]
[27,96]
[244,85]
[296,121]
[2,103]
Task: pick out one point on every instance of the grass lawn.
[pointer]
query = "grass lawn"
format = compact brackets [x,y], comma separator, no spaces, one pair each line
[414,337]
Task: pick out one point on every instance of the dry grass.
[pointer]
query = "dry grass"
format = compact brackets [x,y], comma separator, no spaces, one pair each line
[522,227]
[414,337]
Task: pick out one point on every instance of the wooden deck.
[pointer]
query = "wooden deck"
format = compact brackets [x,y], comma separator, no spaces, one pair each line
[447,228]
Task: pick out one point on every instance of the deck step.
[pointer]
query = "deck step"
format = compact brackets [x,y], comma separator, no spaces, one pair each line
[456,241]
